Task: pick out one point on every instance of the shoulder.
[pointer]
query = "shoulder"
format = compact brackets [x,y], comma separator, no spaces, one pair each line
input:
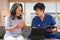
[7,18]
[48,16]
[35,18]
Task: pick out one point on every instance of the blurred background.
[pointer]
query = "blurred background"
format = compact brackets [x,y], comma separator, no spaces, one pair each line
[52,8]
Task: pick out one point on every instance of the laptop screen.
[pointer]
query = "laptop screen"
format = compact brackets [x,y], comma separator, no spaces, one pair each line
[38,31]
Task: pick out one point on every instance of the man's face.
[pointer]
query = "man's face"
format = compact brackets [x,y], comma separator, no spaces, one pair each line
[39,12]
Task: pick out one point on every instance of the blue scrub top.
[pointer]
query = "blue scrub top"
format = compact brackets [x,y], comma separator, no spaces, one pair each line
[47,21]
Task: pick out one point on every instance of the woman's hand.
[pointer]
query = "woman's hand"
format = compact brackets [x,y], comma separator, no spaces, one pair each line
[20,25]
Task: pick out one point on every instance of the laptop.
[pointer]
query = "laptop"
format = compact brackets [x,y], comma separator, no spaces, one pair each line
[38,31]
[41,31]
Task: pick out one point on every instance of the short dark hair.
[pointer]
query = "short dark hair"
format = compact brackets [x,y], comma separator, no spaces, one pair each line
[41,6]
[13,10]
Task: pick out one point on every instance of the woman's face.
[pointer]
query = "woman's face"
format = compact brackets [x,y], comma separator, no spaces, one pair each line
[18,11]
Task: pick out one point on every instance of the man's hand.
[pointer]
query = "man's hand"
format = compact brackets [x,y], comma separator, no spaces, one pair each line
[51,30]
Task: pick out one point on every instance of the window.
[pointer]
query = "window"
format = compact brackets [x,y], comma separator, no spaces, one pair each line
[30,13]
[52,8]
[58,13]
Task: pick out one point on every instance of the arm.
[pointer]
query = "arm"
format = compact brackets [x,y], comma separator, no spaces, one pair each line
[8,25]
[34,23]
[53,23]
[52,29]
[9,28]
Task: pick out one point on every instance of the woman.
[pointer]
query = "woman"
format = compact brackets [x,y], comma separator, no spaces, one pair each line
[14,23]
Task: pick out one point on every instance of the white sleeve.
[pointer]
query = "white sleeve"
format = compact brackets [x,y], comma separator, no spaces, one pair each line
[7,22]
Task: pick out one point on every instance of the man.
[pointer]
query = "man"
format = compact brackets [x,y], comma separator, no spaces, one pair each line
[42,20]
